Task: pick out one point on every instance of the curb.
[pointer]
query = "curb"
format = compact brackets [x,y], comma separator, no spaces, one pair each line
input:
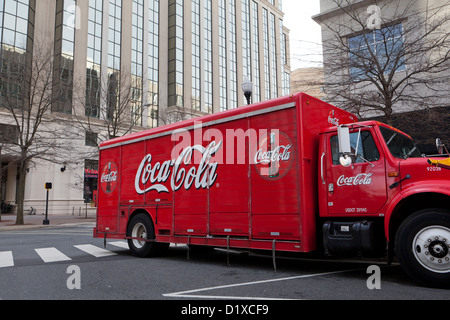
[38,224]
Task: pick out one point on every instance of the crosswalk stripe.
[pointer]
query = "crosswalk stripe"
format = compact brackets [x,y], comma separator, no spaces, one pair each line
[95,251]
[120,244]
[6,259]
[51,255]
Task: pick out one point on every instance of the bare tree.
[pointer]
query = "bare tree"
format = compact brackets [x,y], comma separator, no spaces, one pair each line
[386,57]
[110,108]
[27,94]
[172,115]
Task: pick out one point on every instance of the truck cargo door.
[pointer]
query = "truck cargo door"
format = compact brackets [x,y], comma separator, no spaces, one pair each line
[189,193]
[229,197]
[359,188]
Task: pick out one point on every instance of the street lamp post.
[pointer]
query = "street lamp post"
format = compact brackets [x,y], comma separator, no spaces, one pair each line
[247,87]
[48,186]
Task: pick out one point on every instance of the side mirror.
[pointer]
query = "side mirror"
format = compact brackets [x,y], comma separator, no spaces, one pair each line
[344,146]
[345,160]
[439,146]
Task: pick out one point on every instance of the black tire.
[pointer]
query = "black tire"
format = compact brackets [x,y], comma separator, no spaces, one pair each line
[422,246]
[141,226]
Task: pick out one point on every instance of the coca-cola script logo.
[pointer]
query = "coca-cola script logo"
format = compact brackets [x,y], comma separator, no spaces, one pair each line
[358,180]
[108,178]
[152,176]
[274,158]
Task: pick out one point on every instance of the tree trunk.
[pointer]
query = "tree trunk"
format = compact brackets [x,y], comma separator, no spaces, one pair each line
[21,193]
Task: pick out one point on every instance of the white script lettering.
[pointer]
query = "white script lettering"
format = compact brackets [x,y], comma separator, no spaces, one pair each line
[111,177]
[280,153]
[360,179]
[203,176]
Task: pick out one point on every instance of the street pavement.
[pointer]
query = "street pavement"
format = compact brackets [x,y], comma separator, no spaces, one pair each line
[8,221]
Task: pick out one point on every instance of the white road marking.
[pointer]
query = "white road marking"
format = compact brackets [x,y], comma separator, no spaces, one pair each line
[51,255]
[6,259]
[189,293]
[120,244]
[95,251]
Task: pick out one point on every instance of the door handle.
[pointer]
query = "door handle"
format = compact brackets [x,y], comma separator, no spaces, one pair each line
[321,167]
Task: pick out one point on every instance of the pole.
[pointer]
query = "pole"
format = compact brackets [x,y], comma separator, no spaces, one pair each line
[48,186]
[46,221]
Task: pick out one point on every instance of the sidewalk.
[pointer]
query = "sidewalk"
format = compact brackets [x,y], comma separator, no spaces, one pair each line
[8,221]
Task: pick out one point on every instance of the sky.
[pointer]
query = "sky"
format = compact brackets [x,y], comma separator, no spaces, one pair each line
[305,33]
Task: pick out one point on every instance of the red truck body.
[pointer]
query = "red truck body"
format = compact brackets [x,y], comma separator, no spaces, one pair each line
[267,176]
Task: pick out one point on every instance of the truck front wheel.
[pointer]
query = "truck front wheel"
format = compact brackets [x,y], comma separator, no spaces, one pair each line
[141,230]
[422,247]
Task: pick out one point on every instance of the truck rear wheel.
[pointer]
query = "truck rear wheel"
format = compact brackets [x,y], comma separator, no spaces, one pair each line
[422,247]
[141,229]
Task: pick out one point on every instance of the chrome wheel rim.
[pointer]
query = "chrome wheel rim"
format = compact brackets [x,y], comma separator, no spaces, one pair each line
[431,247]
[139,235]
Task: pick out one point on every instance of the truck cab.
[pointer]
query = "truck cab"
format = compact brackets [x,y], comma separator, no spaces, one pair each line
[377,189]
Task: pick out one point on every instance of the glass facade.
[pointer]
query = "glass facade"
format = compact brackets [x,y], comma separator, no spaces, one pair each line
[66,11]
[256,52]
[14,23]
[153,63]
[273,58]
[94,59]
[246,40]
[266,53]
[14,28]
[208,57]
[223,87]
[114,55]
[232,74]
[245,33]
[196,62]
[137,54]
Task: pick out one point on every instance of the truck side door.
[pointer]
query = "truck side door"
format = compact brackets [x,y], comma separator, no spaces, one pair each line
[361,187]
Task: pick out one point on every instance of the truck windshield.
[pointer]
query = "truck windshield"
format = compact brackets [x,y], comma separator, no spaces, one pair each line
[400,145]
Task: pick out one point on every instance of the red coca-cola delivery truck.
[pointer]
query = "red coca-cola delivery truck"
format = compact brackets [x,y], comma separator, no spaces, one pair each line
[292,174]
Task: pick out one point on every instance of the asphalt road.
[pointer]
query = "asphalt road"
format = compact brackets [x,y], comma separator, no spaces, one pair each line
[69,264]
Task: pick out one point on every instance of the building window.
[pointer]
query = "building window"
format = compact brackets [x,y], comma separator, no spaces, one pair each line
[90,180]
[137,47]
[91,139]
[64,56]
[207,59]
[273,55]
[14,23]
[233,55]
[266,49]
[384,45]
[176,49]
[9,134]
[223,88]
[153,63]
[94,59]
[256,72]
[196,36]
[246,40]
[114,56]
[14,26]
